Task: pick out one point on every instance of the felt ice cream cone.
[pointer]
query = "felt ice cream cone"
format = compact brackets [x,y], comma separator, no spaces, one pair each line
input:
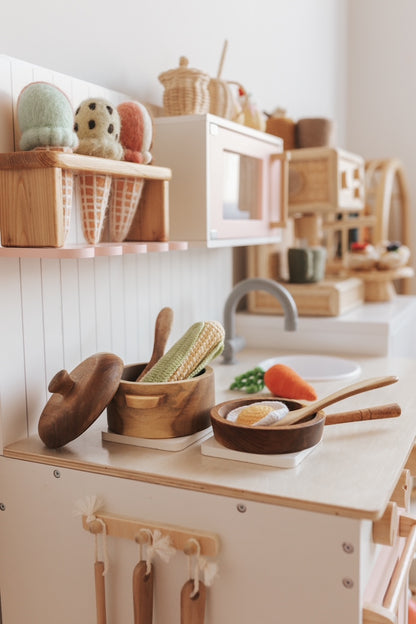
[97,124]
[136,132]
[46,121]
[125,197]
[95,191]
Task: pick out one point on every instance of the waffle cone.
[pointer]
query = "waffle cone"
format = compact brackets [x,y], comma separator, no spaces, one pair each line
[67,192]
[95,191]
[67,178]
[125,197]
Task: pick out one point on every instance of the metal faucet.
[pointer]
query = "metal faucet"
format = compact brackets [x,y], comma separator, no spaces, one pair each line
[233,343]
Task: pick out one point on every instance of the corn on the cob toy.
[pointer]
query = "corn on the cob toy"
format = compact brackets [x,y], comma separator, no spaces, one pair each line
[203,342]
[97,124]
[136,139]
[46,121]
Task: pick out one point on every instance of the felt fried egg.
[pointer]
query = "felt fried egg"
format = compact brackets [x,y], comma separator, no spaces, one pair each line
[260,413]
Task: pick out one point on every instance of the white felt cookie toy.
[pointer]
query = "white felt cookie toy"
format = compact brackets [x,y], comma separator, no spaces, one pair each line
[361,257]
[392,255]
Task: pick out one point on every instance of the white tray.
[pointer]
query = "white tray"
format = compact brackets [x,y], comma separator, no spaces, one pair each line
[213,448]
[162,444]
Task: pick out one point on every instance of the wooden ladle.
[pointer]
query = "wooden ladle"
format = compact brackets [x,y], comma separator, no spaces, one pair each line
[296,415]
[163,326]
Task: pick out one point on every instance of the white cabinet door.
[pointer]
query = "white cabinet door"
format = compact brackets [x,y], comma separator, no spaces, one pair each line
[275,564]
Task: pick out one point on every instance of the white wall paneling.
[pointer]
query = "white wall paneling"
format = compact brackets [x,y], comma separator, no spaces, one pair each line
[56,312]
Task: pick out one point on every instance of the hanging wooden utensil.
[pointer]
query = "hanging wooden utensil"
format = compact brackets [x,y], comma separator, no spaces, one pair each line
[163,326]
[100,592]
[193,607]
[193,593]
[143,593]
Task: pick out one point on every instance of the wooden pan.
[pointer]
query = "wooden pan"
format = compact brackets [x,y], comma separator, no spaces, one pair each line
[268,440]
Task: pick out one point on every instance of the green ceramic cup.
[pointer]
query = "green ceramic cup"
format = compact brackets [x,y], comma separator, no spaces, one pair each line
[306,265]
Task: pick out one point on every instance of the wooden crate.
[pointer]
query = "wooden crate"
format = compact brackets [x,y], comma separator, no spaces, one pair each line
[325,179]
[331,297]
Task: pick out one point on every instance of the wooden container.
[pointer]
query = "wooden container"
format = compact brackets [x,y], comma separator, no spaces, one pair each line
[283,127]
[161,410]
[315,132]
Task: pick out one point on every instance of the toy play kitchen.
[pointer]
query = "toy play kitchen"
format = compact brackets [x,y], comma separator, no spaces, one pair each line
[121,500]
[338,517]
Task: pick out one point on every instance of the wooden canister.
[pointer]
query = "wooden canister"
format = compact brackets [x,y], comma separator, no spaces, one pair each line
[284,128]
[315,132]
[161,410]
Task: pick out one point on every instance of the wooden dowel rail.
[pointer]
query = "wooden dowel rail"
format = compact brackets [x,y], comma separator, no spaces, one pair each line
[133,529]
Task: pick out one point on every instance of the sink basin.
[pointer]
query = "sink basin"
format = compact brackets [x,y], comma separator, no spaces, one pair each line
[316,367]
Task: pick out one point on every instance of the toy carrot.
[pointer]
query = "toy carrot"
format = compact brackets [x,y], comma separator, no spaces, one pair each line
[280,379]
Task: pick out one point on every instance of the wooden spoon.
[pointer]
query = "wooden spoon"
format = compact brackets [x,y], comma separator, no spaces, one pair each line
[360,386]
[163,326]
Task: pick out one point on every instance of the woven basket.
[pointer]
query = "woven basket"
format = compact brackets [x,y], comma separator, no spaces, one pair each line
[186,90]
[222,101]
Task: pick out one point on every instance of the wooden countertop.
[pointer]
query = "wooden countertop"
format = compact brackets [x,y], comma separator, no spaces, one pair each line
[352,472]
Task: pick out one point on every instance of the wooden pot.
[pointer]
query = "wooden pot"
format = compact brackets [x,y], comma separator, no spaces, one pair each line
[161,410]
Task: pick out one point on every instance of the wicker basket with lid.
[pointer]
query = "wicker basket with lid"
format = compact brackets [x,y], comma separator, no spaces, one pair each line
[186,90]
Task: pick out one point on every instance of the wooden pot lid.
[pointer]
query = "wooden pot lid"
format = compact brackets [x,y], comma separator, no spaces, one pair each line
[79,398]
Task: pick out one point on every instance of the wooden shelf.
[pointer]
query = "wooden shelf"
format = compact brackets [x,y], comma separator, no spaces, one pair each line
[35,209]
[78,163]
[92,251]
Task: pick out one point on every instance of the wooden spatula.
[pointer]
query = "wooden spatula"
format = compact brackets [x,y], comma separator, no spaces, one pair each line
[100,592]
[193,607]
[143,594]
[163,326]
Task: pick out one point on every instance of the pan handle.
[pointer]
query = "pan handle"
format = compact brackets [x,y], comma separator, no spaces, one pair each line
[391,410]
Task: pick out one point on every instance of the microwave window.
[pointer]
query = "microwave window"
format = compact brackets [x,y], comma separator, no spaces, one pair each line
[242,186]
